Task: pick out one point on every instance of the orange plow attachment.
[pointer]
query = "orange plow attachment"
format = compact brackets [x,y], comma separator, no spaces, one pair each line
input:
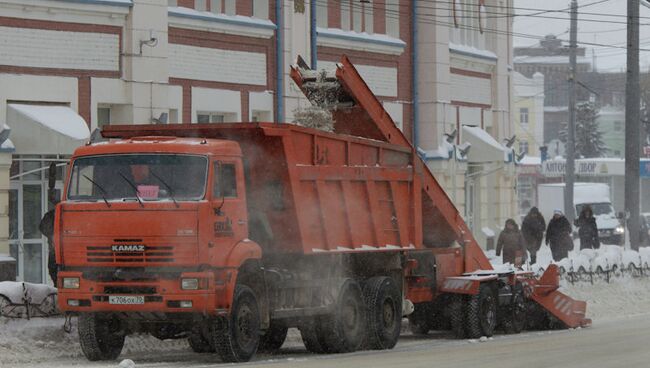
[545,292]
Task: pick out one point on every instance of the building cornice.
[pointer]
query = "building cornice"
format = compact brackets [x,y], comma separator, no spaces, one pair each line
[221,23]
[340,39]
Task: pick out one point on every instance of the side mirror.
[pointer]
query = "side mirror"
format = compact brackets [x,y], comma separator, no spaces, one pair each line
[51,182]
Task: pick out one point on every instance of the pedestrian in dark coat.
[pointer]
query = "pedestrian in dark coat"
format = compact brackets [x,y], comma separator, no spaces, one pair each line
[47,229]
[558,236]
[533,231]
[588,230]
[512,243]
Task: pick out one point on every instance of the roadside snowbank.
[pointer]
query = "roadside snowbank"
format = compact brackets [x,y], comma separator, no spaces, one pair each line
[621,297]
[43,339]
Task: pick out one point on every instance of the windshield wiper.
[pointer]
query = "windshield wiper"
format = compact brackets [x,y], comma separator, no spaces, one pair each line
[135,188]
[171,191]
[100,188]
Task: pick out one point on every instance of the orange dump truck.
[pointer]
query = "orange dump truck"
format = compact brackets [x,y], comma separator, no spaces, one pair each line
[229,234]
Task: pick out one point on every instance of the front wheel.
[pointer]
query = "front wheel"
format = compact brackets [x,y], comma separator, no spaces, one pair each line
[199,342]
[237,336]
[101,337]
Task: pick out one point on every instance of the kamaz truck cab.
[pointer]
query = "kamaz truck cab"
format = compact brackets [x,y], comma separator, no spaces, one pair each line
[145,231]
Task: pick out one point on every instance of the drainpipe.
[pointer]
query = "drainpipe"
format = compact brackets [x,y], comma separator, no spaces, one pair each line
[414,73]
[313,34]
[279,62]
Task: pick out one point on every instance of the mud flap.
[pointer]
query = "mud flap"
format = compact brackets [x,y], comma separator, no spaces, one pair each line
[568,310]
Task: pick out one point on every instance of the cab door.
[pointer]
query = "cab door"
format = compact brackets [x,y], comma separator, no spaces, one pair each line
[228,202]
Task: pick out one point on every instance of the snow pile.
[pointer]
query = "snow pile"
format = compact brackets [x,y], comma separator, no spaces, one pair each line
[625,296]
[126,363]
[607,258]
[314,117]
[43,340]
[17,292]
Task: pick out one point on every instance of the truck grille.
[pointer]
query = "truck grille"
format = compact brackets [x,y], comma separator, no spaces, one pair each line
[139,290]
[151,254]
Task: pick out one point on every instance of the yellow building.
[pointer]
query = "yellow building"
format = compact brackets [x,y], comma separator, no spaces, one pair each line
[529,113]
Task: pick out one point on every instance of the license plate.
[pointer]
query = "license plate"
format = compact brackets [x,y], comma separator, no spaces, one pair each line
[125,299]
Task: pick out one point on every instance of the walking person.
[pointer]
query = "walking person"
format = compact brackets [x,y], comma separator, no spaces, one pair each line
[558,236]
[47,229]
[512,243]
[587,229]
[532,228]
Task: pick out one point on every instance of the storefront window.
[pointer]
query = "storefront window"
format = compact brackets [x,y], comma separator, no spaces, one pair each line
[31,211]
[13,214]
[33,262]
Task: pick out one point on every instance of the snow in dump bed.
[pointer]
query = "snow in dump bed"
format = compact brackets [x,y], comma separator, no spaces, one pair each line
[36,293]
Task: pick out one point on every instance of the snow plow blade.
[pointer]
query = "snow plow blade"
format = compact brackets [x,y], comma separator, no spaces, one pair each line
[568,310]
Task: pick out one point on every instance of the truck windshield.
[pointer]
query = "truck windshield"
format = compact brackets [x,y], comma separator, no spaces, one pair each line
[597,208]
[148,177]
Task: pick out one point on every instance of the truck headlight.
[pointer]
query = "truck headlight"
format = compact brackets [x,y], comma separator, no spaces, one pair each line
[619,230]
[71,283]
[190,284]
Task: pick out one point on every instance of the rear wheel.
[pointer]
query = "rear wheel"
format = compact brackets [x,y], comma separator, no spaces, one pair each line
[274,337]
[384,312]
[344,330]
[101,337]
[237,336]
[481,313]
[312,337]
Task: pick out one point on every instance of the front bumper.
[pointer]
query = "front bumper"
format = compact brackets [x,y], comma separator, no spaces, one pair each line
[160,296]
[610,237]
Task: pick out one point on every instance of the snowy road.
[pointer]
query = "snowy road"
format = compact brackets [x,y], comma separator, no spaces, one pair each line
[619,342]
[618,338]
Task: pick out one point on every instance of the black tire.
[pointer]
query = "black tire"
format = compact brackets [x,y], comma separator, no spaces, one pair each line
[513,318]
[481,313]
[101,338]
[344,330]
[456,309]
[420,322]
[274,337]
[237,336]
[312,337]
[383,301]
[199,342]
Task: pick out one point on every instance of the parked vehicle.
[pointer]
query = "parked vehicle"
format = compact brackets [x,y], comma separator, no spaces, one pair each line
[229,234]
[595,195]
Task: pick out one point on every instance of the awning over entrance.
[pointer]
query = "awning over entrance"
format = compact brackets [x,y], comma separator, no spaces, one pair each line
[46,129]
[484,147]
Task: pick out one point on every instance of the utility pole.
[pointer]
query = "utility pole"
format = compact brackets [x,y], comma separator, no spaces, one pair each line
[632,131]
[569,208]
